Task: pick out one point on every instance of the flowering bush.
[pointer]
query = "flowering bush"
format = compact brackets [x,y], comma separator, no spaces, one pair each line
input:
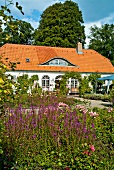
[55,135]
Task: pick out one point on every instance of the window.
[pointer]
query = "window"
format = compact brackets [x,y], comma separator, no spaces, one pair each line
[59,62]
[45,82]
[27,60]
[74,83]
[63,62]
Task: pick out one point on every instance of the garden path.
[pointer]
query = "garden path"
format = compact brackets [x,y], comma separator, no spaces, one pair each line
[93,103]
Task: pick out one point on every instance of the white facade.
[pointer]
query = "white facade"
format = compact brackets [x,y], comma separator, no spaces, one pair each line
[47,80]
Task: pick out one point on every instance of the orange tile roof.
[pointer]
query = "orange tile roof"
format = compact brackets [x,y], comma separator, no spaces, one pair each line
[89,61]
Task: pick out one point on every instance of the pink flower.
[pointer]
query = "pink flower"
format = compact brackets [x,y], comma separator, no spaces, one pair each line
[92,148]
[93,114]
[61,104]
[110,109]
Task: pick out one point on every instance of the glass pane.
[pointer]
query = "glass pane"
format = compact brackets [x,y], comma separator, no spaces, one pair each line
[62,62]
[43,83]
[72,83]
[75,83]
[47,83]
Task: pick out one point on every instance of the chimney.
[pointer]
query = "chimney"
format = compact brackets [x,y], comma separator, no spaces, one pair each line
[79,48]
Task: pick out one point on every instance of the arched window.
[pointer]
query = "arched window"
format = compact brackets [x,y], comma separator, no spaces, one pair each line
[59,62]
[45,82]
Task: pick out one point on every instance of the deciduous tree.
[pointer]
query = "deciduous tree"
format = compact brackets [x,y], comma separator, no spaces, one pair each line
[22,32]
[61,25]
[102,40]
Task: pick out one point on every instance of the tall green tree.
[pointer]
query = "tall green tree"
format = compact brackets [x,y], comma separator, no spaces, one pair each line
[7,20]
[22,33]
[102,40]
[61,25]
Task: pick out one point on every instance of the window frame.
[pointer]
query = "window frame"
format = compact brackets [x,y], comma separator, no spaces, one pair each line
[46,81]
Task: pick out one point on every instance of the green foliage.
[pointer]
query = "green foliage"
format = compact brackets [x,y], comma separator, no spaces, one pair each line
[60,25]
[63,83]
[112,95]
[105,134]
[22,84]
[19,32]
[102,97]
[102,40]
[6,91]
[8,20]
[84,86]
[93,79]
[25,86]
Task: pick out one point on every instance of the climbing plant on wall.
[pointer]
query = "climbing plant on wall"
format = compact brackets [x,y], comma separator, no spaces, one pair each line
[63,83]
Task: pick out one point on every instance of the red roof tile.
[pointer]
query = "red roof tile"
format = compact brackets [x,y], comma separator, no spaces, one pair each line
[89,61]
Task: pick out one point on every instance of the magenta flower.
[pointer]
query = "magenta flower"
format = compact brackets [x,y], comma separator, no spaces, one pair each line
[92,148]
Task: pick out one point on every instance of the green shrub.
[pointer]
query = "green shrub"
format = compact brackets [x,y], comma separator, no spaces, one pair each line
[112,95]
[102,97]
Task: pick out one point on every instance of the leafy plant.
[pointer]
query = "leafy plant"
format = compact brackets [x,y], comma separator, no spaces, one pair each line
[102,43]
[63,83]
[93,79]
[112,95]
[84,86]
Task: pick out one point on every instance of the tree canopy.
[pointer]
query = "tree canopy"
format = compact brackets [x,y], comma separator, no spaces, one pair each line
[7,20]
[61,25]
[102,40]
[22,33]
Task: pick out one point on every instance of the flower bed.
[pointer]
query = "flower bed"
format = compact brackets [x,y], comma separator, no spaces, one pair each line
[60,136]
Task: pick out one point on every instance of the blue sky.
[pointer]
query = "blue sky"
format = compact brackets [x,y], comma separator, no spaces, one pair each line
[94,12]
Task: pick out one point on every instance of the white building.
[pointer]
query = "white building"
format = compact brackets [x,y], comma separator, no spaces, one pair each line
[50,63]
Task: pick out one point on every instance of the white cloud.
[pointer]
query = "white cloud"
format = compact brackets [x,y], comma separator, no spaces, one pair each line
[28,6]
[33,23]
[107,20]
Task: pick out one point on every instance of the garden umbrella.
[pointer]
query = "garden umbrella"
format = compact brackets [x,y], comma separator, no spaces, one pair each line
[108,78]
[111,77]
